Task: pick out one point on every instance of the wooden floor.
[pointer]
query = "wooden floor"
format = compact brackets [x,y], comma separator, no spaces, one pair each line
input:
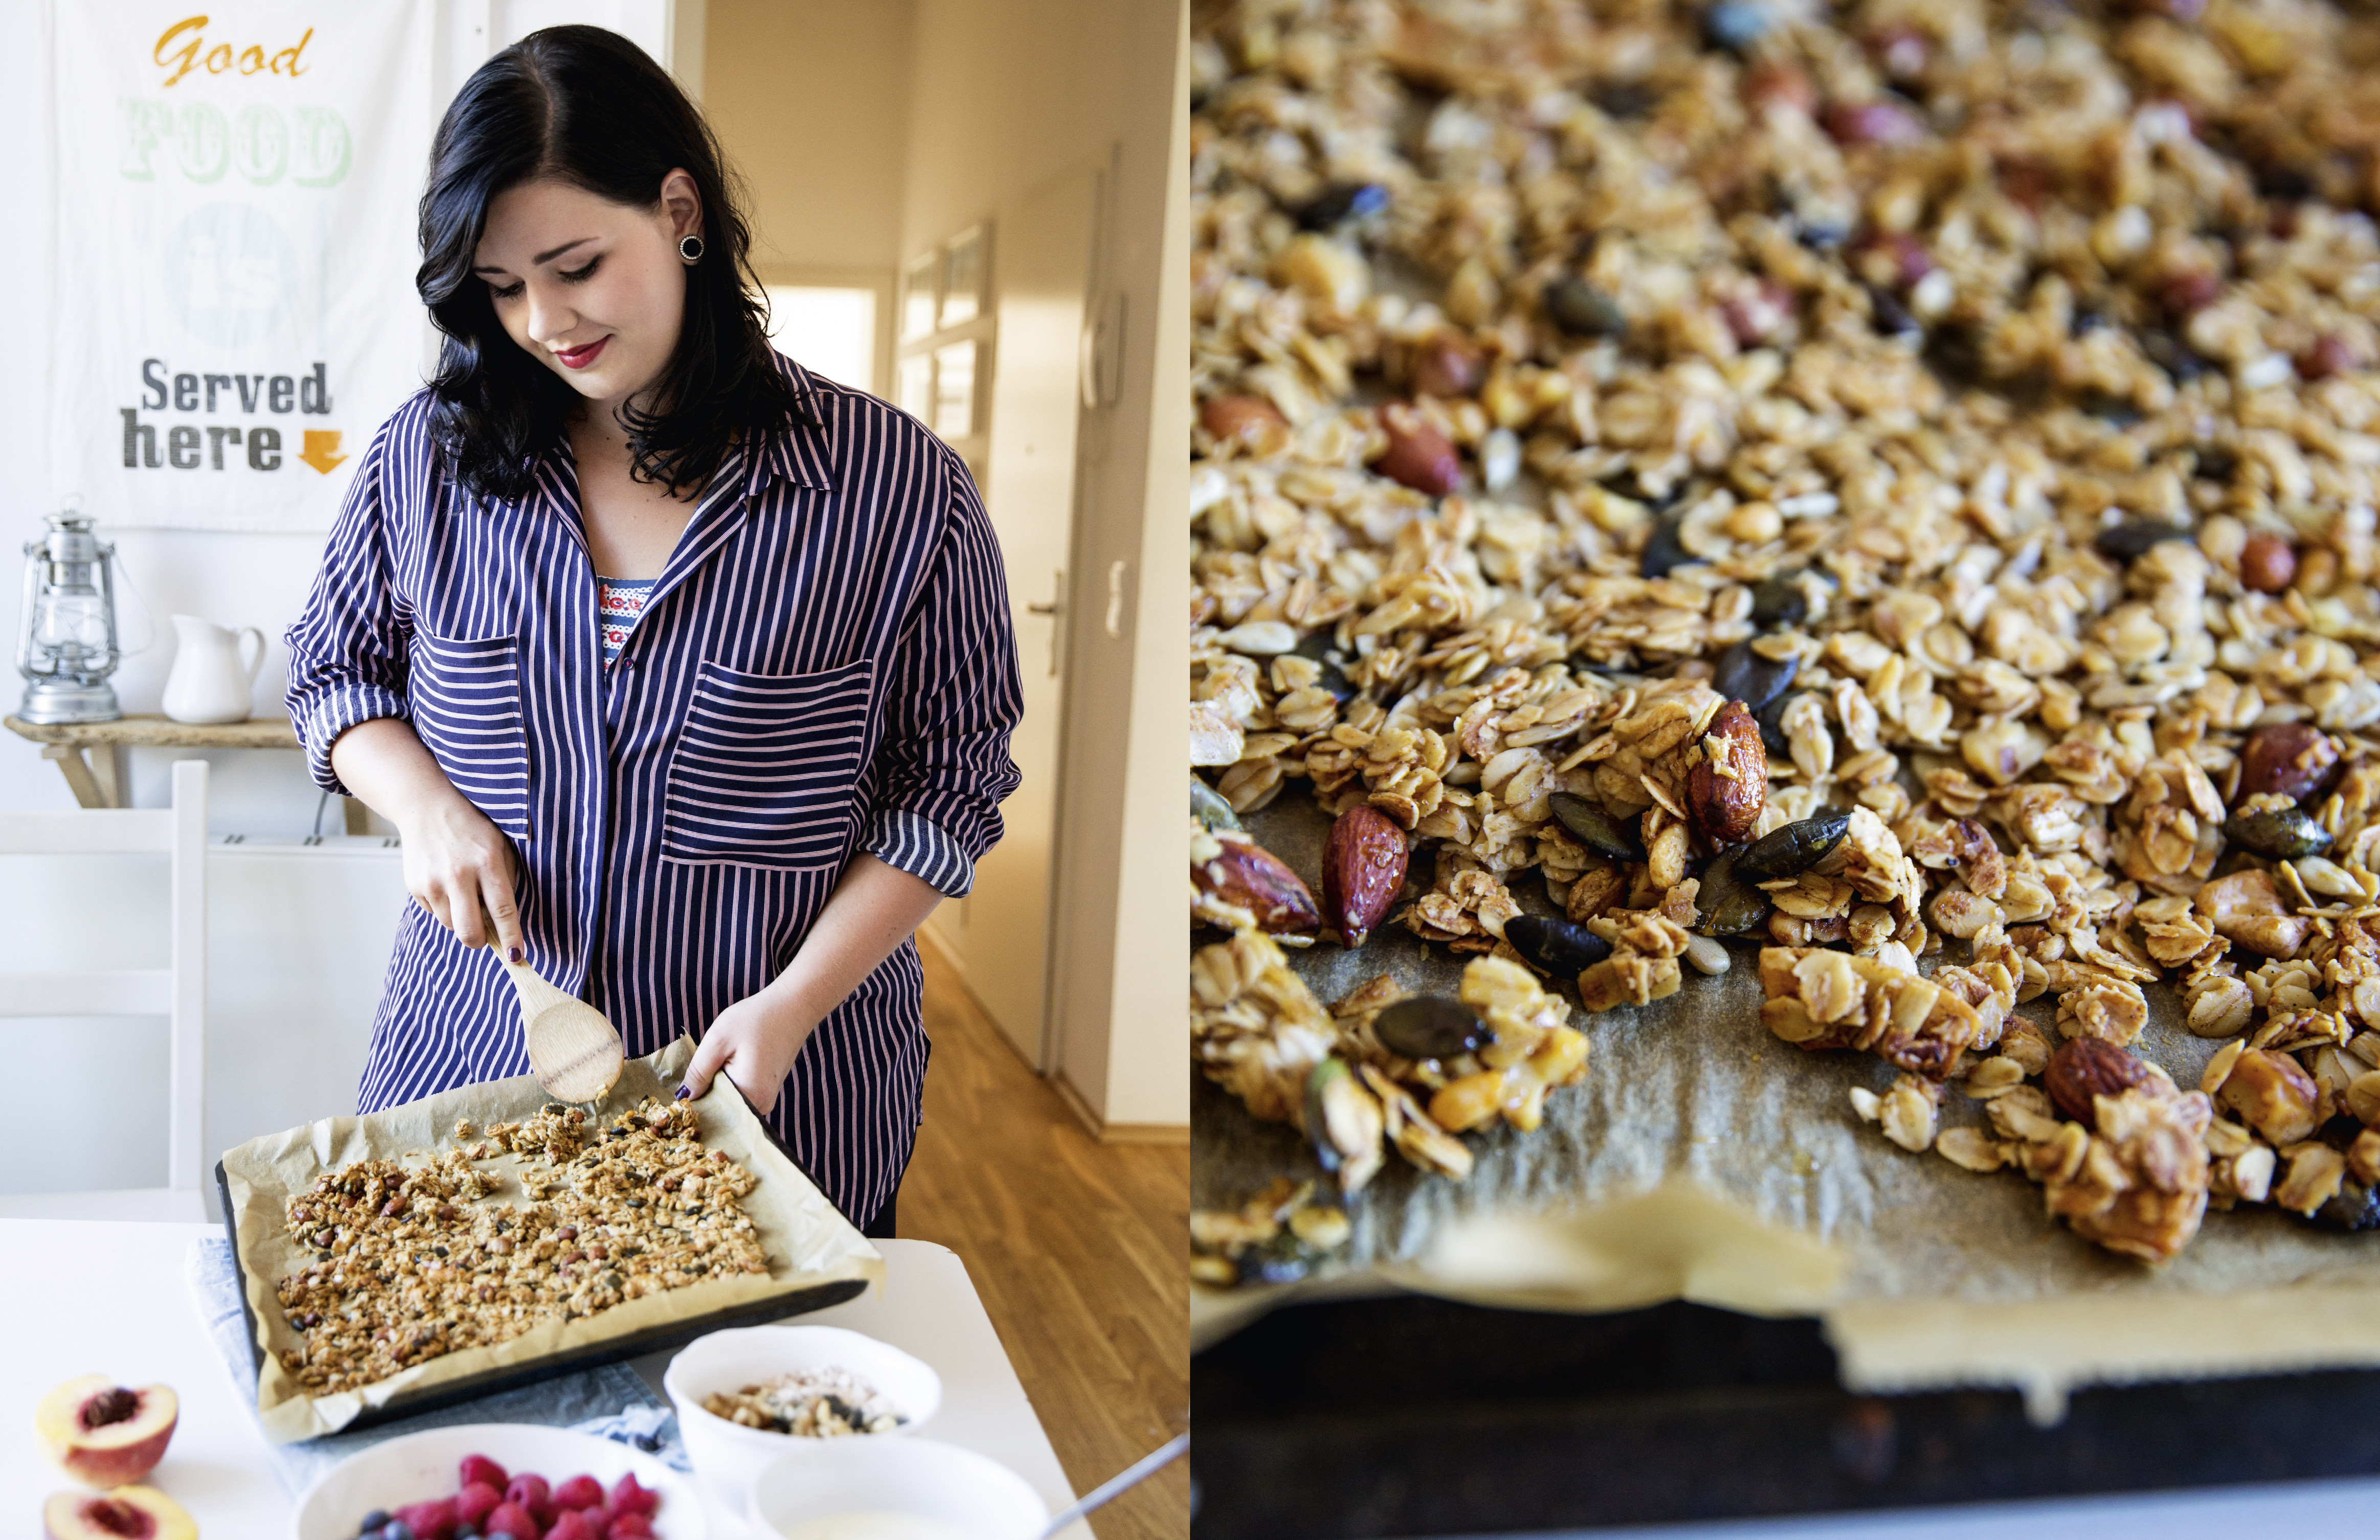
[1080,1251]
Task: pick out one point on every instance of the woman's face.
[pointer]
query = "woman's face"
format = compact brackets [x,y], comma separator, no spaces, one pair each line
[594,290]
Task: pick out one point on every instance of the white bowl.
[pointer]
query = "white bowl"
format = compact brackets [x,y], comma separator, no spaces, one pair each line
[420,1467]
[978,1497]
[728,1456]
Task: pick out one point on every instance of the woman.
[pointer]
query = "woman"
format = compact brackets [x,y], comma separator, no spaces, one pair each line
[686,674]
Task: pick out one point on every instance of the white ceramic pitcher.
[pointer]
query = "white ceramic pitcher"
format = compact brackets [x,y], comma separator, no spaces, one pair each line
[211,682]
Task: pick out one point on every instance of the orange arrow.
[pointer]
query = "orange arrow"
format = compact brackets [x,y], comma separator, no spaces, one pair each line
[321,450]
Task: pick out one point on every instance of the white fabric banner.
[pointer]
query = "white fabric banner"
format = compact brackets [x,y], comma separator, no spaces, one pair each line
[235,253]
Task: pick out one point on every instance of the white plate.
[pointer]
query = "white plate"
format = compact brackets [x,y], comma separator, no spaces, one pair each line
[421,1467]
[975,1495]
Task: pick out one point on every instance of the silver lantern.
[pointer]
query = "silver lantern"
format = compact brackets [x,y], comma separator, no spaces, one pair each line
[68,645]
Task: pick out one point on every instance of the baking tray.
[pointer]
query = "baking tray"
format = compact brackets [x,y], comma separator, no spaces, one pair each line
[661,1338]
[1408,1415]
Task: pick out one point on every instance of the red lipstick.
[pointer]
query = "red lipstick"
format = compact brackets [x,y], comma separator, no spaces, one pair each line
[579,357]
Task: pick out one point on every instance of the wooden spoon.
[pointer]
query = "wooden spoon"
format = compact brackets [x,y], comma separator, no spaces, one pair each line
[575,1053]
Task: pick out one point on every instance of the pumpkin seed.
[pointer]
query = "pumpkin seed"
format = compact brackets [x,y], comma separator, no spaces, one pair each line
[1730,905]
[1431,1026]
[1663,553]
[2353,1206]
[1779,603]
[1556,946]
[1206,806]
[1582,309]
[1744,674]
[2132,538]
[1793,850]
[2283,833]
[1771,718]
[1599,833]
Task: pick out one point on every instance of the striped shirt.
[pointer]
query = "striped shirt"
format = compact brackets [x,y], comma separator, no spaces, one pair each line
[824,666]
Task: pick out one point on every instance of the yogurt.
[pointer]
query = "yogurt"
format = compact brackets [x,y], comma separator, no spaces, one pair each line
[878,1525]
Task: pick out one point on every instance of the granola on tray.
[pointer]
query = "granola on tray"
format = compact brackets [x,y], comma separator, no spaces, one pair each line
[409,1266]
[1891,483]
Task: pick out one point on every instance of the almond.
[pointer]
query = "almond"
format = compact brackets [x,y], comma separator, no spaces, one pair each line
[1419,456]
[1729,786]
[2267,564]
[1363,869]
[1448,364]
[2292,758]
[1242,875]
[1251,421]
[2087,1067]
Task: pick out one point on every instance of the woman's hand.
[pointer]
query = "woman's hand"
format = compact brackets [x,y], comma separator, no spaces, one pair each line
[457,865]
[755,1041]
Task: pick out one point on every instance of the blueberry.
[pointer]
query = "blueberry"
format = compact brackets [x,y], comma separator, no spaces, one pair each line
[1736,24]
[398,1530]
[1341,203]
[372,1520]
[1890,316]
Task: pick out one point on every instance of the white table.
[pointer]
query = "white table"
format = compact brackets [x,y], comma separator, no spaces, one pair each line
[81,1297]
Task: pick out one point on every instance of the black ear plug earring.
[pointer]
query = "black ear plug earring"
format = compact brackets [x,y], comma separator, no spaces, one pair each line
[691,250]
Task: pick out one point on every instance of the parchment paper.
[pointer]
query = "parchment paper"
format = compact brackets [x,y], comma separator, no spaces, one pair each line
[1702,1158]
[806,1241]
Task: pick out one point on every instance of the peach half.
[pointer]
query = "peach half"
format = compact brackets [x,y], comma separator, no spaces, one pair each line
[127,1513]
[104,1435]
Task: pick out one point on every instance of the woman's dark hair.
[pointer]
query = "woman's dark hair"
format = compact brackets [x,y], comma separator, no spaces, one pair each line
[589,107]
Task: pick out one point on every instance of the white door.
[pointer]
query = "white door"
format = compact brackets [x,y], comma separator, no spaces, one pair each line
[1041,274]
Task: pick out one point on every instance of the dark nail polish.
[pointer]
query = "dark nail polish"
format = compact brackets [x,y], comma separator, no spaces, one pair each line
[517,956]
[683,1093]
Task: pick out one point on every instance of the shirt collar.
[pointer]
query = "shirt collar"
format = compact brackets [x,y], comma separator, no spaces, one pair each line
[797,450]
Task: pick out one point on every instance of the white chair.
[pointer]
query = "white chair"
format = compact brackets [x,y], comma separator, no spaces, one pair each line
[178,992]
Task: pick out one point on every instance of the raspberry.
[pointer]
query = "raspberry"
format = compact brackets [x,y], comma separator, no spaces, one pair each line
[478,1467]
[533,1495]
[429,1520]
[511,1518]
[476,1502]
[629,1497]
[579,1491]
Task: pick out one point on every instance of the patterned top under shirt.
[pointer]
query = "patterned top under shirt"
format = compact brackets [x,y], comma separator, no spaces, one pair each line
[619,601]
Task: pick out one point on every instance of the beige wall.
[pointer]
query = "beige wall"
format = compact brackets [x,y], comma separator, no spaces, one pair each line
[870,129]
[1008,93]
[811,100]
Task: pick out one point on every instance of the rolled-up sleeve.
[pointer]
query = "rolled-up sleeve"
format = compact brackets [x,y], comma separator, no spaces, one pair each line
[346,651]
[953,699]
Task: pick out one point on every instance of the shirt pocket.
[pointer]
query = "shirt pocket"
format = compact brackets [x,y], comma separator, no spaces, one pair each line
[766,767]
[466,699]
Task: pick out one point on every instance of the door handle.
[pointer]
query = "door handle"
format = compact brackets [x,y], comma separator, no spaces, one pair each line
[1054,609]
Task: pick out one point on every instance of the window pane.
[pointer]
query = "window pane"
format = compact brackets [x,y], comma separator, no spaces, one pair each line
[913,392]
[954,390]
[831,332]
[918,295]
